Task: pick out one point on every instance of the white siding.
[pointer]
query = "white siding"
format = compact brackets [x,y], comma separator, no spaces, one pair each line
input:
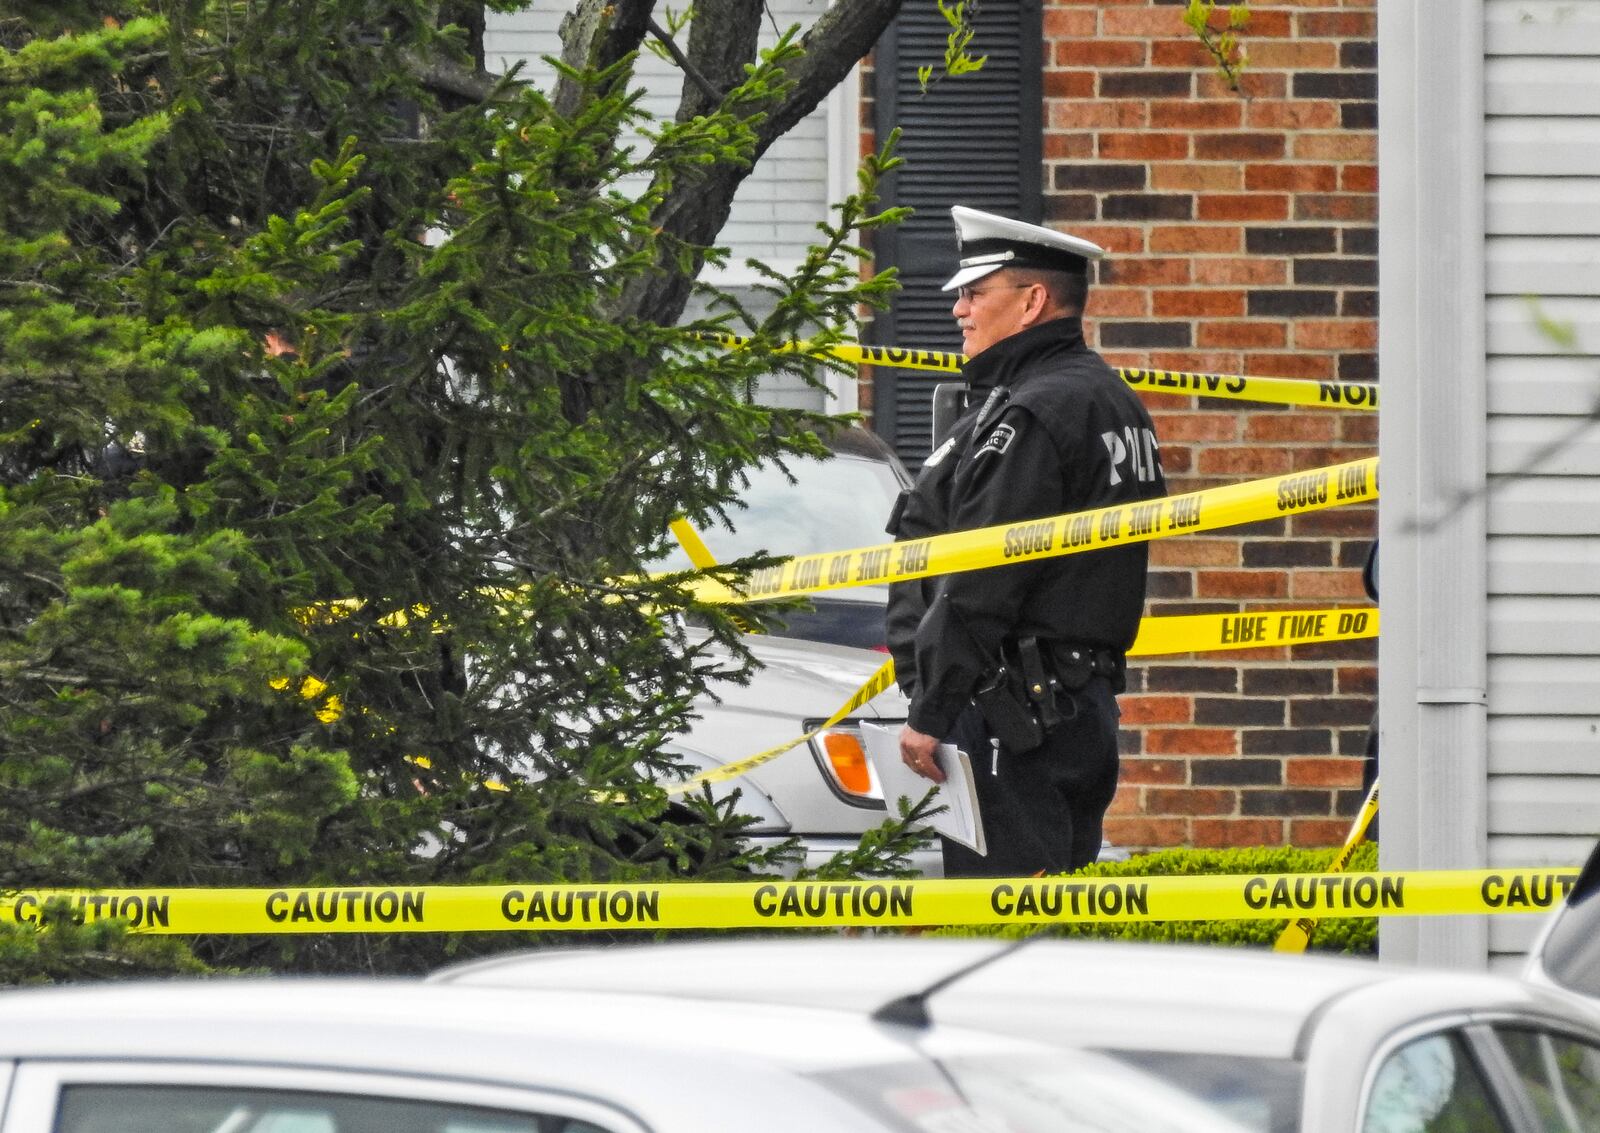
[1540,687]
[1545,627]
[1542,255]
[777,208]
[1563,745]
[1521,444]
[1543,565]
[1531,384]
[1538,206]
[1542,27]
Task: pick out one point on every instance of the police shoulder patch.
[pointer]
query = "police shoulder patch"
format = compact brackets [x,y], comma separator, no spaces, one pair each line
[998,441]
[939,453]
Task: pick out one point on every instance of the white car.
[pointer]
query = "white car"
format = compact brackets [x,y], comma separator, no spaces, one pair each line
[1248,1040]
[313,1056]
[810,505]
[793,1035]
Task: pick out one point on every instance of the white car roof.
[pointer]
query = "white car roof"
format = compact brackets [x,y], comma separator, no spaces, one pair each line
[1079,993]
[666,1064]
[662,1058]
[282,1019]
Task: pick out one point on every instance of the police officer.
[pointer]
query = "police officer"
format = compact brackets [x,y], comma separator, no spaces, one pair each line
[1018,665]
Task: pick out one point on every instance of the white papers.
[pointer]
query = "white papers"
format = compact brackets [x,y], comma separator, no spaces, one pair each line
[960,821]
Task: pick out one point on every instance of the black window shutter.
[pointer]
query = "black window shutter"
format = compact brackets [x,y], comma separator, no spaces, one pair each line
[970,140]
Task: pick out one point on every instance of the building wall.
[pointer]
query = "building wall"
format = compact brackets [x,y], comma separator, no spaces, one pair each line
[1541,130]
[1242,236]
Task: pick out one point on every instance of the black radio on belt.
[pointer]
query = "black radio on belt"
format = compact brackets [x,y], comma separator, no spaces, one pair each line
[1007,711]
[1031,693]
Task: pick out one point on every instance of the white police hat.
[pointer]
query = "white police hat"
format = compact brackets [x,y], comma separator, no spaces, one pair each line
[987,243]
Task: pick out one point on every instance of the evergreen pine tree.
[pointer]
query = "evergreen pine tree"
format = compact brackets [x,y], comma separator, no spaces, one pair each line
[342,398]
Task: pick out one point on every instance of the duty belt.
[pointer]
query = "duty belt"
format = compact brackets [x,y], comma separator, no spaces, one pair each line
[1052,668]
[1074,664]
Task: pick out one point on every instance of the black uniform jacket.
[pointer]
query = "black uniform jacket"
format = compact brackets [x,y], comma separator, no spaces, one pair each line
[1051,429]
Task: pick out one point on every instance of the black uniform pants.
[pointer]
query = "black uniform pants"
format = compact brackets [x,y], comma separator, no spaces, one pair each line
[1042,810]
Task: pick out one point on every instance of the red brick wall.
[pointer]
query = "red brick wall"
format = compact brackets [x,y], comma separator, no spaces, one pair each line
[1243,239]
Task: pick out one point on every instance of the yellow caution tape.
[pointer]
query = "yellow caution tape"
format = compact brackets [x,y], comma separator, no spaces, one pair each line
[310,688]
[1188,514]
[1058,535]
[806,904]
[1236,387]
[1205,633]
[1189,633]
[1296,935]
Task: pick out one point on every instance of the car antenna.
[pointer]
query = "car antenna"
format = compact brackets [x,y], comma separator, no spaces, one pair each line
[911,1009]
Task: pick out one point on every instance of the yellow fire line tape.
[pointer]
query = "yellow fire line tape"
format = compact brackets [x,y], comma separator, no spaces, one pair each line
[807,904]
[1205,633]
[701,557]
[1296,935]
[1236,387]
[693,546]
[1188,514]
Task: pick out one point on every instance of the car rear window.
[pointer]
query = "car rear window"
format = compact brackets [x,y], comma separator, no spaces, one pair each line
[1109,1091]
[124,1108]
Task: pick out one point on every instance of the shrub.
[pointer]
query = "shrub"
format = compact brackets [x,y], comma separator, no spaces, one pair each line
[1356,935]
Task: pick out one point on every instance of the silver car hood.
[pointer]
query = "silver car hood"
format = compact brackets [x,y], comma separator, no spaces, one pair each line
[807,679]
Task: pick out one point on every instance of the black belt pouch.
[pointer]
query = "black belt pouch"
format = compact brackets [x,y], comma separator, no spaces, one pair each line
[1009,716]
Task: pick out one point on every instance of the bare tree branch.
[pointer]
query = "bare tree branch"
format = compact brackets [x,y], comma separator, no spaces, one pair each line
[689,69]
[722,42]
[447,77]
[840,38]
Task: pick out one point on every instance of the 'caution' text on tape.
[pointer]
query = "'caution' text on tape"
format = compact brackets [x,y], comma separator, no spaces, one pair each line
[1234,387]
[807,904]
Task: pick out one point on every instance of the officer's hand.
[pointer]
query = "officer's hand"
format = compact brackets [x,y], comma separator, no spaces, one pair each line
[917,752]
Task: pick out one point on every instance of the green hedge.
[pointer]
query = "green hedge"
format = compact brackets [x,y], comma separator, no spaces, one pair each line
[1351,935]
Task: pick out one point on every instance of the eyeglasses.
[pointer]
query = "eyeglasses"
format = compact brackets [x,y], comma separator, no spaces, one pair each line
[968,294]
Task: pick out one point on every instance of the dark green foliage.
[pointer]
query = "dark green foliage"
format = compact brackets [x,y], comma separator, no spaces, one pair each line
[316,363]
[1350,934]
[69,950]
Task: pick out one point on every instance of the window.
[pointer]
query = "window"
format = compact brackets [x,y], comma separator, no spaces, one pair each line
[1121,1091]
[1431,1085]
[1561,1076]
[124,1108]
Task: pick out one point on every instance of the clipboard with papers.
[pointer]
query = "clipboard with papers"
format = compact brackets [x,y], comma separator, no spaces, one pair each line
[960,820]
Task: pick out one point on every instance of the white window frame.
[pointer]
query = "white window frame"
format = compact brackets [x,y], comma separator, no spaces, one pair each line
[36,1089]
